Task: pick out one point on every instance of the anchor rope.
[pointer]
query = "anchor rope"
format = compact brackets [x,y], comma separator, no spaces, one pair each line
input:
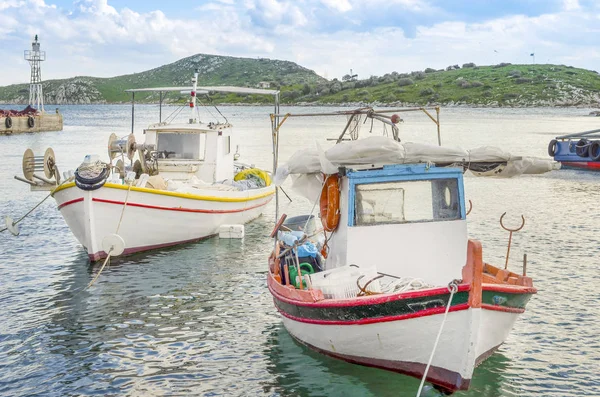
[453,288]
[117,232]
[38,204]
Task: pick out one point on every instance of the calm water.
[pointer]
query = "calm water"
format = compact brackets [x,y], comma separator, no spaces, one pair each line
[198,320]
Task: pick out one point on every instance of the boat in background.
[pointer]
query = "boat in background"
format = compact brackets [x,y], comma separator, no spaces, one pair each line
[184,184]
[391,279]
[580,150]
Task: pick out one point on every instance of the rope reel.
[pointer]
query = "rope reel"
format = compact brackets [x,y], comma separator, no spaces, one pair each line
[118,146]
[33,165]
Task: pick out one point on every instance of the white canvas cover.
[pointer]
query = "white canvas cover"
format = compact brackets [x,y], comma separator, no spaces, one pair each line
[383,150]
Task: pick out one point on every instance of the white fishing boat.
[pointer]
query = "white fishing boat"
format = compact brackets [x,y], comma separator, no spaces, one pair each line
[180,186]
[392,280]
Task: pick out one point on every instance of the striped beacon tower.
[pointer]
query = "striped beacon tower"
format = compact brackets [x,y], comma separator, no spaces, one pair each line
[35,57]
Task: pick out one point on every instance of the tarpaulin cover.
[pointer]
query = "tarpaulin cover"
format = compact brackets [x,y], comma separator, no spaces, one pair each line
[482,161]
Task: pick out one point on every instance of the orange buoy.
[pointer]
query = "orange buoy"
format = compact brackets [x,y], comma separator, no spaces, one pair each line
[330,203]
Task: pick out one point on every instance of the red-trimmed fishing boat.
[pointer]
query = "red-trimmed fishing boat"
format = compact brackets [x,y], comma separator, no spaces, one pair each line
[394,283]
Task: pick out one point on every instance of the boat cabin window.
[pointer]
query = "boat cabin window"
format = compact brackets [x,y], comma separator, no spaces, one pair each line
[182,146]
[406,201]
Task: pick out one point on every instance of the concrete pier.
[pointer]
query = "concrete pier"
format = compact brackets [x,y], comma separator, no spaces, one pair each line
[41,122]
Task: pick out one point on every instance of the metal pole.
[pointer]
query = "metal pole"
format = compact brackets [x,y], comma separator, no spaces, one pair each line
[160,95]
[275,137]
[132,110]
[437,111]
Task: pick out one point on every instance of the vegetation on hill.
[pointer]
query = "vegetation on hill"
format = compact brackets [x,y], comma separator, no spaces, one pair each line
[499,85]
[213,70]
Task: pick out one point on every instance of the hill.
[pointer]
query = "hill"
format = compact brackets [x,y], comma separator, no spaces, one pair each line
[492,86]
[213,70]
[498,85]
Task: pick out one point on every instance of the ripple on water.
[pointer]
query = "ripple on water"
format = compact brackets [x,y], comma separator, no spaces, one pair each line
[198,320]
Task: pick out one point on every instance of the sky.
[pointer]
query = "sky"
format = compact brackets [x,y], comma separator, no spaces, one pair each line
[105,38]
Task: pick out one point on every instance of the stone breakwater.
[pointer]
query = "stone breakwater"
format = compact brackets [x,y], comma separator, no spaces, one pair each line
[31,123]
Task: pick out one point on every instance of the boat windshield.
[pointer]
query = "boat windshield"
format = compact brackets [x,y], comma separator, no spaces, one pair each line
[183,146]
[406,201]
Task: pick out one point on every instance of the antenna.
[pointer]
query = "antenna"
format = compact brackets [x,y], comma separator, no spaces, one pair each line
[35,56]
[193,96]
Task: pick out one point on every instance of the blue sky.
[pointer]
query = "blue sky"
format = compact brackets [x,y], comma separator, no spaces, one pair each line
[110,37]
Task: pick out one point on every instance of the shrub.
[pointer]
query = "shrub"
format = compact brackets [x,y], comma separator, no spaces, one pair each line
[476,84]
[363,93]
[418,75]
[430,70]
[514,73]
[464,98]
[502,64]
[399,91]
[510,95]
[437,85]
[468,65]
[523,80]
[426,91]
[404,82]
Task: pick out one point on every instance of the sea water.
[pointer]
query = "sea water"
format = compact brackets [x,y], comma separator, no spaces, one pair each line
[198,320]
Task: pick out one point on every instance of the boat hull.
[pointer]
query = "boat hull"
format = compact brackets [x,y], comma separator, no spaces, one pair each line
[153,218]
[397,332]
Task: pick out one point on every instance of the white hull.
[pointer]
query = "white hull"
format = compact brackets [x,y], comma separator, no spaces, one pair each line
[153,218]
[402,346]
[493,331]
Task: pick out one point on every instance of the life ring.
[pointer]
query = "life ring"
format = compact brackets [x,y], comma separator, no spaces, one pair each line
[552,147]
[594,151]
[582,148]
[8,122]
[30,121]
[330,203]
[92,181]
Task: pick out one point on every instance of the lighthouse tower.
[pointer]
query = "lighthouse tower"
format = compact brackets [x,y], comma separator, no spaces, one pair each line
[35,57]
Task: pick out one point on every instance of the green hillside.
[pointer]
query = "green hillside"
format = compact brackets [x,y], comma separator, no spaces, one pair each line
[498,85]
[213,70]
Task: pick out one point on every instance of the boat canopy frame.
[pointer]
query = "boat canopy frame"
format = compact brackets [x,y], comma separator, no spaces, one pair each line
[199,90]
[585,134]
[277,121]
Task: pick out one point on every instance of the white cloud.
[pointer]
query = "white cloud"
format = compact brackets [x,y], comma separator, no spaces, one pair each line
[97,39]
[339,5]
[571,5]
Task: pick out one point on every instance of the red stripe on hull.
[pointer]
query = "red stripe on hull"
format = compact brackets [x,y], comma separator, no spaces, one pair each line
[101,254]
[77,200]
[511,289]
[505,309]
[366,300]
[421,313]
[154,207]
[442,377]
[595,165]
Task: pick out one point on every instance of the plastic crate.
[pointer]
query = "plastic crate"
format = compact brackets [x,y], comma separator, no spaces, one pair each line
[340,283]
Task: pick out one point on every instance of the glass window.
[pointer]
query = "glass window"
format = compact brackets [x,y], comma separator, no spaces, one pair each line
[181,146]
[406,201]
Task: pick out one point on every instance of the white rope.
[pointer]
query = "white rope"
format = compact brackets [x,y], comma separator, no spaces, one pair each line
[452,287]
[91,170]
[117,232]
[102,268]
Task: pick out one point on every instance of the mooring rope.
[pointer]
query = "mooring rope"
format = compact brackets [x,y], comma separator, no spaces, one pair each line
[117,232]
[453,288]
[38,204]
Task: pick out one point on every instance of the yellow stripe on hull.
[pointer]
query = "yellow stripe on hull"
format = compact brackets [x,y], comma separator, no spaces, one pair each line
[172,194]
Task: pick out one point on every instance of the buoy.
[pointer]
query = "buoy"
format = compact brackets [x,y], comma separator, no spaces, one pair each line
[113,244]
[11,226]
